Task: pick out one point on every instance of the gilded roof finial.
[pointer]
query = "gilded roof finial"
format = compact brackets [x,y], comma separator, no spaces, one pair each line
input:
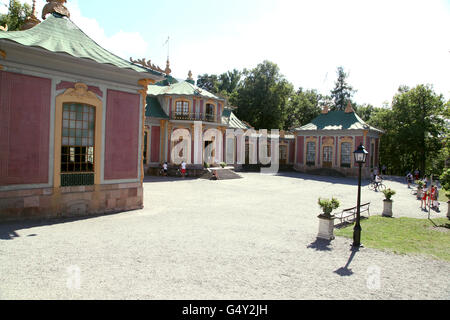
[55,6]
[325,109]
[349,108]
[31,21]
[190,75]
[167,70]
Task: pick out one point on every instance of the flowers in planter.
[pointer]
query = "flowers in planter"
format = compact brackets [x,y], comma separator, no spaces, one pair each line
[389,193]
[328,206]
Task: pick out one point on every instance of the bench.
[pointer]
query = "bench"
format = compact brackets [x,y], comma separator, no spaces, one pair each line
[348,215]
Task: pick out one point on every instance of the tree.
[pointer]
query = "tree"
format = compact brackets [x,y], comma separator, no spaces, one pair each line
[17,13]
[342,92]
[303,107]
[262,99]
[414,131]
[364,111]
[208,82]
[229,82]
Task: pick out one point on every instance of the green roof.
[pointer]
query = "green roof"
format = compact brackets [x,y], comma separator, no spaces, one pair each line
[182,88]
[154,109]
[233,122]
[338,120]
[61,35]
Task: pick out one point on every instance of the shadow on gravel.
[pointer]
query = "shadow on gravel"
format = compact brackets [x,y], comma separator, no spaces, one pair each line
[345,271]
[8,230]
[320,245]
[155,179]
[332,180]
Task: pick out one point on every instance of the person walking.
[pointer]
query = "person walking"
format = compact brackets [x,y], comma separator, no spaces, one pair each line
[424,199]
[165,169]
[409,179]
[183,169]
[417,174]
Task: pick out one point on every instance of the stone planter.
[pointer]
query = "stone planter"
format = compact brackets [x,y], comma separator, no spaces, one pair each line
[387,210]
[326,227]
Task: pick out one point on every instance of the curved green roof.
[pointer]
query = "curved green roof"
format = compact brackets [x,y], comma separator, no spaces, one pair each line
[338,120]
[154,109]
[61,35]
[182,88]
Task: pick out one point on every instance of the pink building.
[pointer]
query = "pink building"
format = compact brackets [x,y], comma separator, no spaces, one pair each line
[326,145]
[71,124]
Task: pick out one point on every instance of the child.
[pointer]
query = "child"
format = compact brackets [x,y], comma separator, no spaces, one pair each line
[165,169]
[424,199]
[183,169]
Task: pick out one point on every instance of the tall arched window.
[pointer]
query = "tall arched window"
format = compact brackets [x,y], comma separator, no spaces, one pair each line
[346,155]
[78,145]
[182,109]
[210,113]
[311,153]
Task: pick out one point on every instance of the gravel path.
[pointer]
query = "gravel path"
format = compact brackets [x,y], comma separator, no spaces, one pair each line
[253,238]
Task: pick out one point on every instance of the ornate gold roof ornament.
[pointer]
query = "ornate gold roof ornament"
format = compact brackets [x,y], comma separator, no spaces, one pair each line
[168,70]
[325,109]
[5,28]
[55,6]
[349,108]
[148,64]
[31,21]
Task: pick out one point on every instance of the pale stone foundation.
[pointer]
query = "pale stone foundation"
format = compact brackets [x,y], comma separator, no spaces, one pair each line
[67,202]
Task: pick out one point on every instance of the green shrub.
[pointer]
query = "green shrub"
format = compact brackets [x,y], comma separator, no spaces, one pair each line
[389,193]
[420,184]
[328,205]
[206,165]
[445,179]
[223,164]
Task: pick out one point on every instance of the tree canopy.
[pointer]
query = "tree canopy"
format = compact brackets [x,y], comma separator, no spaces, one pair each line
[342,93]
[15,18]
[263,97]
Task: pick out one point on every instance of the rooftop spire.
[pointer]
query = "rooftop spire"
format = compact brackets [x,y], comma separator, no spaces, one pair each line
[55,6]
[168,70]
[349,108]
[31,21]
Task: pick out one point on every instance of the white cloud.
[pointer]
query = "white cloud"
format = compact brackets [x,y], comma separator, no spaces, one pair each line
[382,44]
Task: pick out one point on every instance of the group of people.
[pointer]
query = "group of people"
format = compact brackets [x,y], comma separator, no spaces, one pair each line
[430,198]
[183,168]
[430,193]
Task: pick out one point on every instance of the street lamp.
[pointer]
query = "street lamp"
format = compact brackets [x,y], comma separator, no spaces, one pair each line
[360,159]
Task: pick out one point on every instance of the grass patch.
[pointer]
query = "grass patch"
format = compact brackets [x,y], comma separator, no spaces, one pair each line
[405,236]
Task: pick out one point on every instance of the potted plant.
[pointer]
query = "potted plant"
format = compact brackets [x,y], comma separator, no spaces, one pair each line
[223,165]
[388,194]
[420,184]
[326,219]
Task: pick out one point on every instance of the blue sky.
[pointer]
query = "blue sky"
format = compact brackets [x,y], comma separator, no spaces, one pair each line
[382,44]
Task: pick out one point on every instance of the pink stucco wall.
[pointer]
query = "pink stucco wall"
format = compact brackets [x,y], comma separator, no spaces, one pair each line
[155,146]
[122,135]
[24,129]
[292,152]
[300,148]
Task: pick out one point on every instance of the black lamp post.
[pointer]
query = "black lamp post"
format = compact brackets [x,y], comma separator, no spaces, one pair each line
[360,159]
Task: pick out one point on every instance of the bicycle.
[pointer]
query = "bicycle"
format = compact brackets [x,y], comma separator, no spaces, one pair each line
[374,187]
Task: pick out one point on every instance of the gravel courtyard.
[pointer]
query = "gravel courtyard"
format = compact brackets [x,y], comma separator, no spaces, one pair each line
[252,238]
